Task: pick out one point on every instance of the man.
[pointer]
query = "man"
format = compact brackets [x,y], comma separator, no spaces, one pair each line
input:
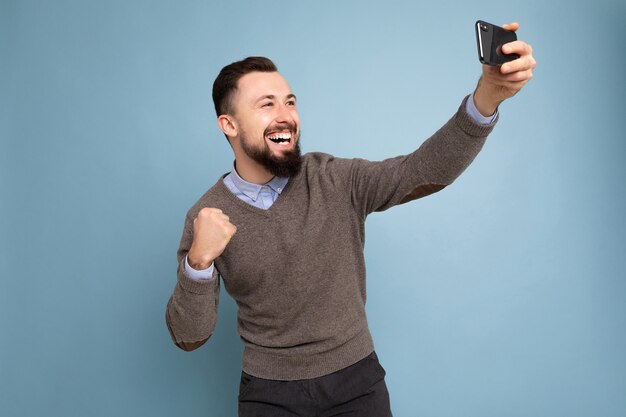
[285,233]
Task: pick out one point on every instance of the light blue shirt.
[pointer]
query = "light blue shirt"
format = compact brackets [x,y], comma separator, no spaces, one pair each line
[264,195]
[261,196]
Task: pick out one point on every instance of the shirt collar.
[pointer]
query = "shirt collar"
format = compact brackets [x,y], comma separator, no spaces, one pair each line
[251,190]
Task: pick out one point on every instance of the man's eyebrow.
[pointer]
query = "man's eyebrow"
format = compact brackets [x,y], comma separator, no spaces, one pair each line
[272,97]
[268,96]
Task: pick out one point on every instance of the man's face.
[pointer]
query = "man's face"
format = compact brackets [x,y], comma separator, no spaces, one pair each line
[269,126]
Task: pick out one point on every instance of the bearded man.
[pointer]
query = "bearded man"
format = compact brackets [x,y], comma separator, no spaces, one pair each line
[285,234]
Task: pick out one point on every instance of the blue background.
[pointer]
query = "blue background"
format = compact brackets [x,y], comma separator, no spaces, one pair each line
[503,295]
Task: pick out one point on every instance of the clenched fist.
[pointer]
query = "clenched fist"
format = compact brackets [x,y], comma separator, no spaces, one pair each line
[212,231]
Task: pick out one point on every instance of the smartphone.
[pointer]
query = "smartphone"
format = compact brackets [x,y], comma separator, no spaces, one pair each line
[490,39]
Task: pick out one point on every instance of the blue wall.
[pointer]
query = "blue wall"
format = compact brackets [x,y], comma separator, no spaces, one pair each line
[503,295]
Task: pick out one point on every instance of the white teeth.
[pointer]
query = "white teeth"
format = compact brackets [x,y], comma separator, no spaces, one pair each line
[280,136]
[283,138]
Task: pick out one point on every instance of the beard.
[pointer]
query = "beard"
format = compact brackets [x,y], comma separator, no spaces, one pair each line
[286,165]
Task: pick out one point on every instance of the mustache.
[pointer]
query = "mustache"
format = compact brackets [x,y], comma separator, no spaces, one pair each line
[281,126]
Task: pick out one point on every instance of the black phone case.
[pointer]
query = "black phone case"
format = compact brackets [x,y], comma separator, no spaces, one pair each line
[490,43]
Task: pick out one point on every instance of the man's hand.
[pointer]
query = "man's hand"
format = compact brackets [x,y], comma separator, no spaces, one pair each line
[212,231]
[499,83]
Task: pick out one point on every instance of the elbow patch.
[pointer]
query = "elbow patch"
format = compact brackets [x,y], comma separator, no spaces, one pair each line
[186,346]
[422,191]
[189,346]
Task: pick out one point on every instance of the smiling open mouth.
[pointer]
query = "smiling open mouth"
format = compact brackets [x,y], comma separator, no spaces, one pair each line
[283,138]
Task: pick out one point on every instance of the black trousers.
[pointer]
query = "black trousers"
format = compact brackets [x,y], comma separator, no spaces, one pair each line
[356,391]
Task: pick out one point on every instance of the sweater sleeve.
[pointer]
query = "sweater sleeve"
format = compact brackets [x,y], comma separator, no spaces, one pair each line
[376,186]
[191,312]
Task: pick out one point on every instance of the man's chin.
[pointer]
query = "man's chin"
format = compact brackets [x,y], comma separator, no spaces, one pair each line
[285,164]
[284,154]
[279,162]
[287,167]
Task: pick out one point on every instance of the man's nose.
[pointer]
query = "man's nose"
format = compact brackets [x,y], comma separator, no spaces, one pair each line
[284,114]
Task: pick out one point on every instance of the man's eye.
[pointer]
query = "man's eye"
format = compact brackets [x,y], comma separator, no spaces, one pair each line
[270,104]
[291,103]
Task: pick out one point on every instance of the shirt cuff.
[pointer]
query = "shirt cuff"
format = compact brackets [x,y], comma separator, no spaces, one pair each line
[199,274]
[475,114]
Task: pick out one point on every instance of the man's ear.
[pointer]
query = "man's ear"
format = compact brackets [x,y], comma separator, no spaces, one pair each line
[228,125]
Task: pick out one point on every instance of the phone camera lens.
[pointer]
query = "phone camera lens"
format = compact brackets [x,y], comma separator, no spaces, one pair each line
[484,28]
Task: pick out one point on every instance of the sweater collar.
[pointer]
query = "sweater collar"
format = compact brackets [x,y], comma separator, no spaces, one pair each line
[251,190]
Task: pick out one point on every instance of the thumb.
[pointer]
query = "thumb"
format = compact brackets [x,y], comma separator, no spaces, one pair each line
[511,26]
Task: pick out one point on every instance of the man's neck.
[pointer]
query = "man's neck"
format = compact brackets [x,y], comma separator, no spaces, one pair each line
[253,173]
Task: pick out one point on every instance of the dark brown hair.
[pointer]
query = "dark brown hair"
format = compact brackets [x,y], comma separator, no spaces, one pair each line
[225,84]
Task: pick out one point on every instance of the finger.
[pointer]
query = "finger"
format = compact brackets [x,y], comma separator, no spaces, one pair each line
[517,47]
[514,77]
[512,83]
[521,64]
[519,76]
[207,211]
[511,26]
[501,79]
[516,85]
[230,229]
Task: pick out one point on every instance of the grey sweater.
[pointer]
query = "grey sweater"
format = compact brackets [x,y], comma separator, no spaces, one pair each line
[297,270]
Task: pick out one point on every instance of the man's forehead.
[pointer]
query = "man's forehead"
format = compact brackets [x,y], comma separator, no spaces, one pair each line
[259,84]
